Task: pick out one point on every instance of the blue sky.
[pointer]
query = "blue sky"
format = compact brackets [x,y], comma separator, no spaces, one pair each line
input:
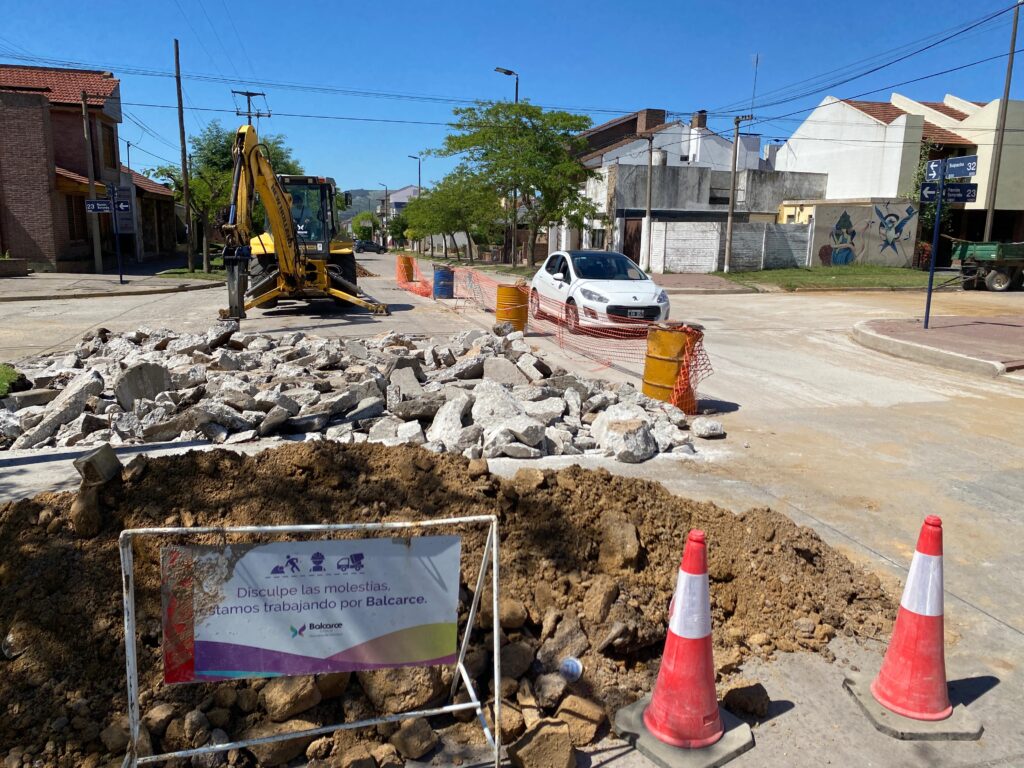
[602,56]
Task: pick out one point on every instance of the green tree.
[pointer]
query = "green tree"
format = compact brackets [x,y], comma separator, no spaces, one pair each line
[365,224]
[523,148]
[210,173]
[926,211]
[397,225]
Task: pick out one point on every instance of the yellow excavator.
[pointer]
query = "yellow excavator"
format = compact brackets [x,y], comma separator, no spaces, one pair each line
[300,257]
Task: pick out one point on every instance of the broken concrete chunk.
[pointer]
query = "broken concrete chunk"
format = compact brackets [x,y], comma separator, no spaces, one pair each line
[707,429]
[503,371]
[98,465]
[64,408]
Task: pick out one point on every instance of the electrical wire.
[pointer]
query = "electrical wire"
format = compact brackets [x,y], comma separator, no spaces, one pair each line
[949,35]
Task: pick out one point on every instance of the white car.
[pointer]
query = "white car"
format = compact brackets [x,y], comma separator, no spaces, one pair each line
[596,289]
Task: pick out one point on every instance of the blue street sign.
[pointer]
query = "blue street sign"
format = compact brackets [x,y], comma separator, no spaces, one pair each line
[929,191]
[933,170]
[97,206]
[959,167]
[960,193]
[123,205]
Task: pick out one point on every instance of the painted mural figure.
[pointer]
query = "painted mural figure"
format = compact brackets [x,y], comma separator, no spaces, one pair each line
[843,237]
[890,227]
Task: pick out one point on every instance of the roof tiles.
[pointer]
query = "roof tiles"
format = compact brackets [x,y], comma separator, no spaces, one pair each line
[61,86]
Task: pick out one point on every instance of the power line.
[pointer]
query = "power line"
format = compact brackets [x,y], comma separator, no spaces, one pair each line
[947,35]
[217,37]
[197,37]
[238,37]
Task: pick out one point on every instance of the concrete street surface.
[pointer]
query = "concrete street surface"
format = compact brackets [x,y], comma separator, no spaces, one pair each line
[858,445]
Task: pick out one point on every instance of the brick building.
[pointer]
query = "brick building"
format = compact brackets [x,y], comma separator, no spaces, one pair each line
[43,170]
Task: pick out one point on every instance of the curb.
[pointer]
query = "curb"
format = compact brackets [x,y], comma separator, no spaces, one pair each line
[920,353]
[846,289]
[707,291]
[109,294]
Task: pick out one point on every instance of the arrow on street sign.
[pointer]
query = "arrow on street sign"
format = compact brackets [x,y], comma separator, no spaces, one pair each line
[99,205]
[960,193]
[933,170]
[929,191]
[123,205]
[959,167]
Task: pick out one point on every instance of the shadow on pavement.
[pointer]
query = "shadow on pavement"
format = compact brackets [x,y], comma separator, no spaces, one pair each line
[967,690]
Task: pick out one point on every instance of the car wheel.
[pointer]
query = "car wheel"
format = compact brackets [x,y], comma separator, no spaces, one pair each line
[572,316]
[998,280]
[535,310]
[358,249]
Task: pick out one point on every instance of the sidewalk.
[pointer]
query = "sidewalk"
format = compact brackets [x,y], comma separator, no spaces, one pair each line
[990,346]
[45,286]
[698,283]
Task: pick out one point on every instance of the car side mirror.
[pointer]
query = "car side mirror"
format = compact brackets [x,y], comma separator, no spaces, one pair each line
[559,276]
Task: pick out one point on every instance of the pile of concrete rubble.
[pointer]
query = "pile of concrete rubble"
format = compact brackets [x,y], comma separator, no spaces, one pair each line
[480,394]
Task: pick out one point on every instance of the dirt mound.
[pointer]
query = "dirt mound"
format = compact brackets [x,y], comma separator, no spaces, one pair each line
[570,560]
[362,271]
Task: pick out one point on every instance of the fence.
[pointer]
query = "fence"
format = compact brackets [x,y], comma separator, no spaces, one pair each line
[692,246]
[608,339]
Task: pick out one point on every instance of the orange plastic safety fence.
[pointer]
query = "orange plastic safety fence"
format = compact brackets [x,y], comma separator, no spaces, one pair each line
[693,369]
[419,285]
[608,339]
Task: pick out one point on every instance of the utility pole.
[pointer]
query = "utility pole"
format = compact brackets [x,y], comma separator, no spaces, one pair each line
[732,187]
[94,228]
[997,153]
[645,257]
[184,163]
[249,114]
[514,208]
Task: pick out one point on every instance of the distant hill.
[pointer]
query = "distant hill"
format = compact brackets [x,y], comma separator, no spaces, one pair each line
[362,200]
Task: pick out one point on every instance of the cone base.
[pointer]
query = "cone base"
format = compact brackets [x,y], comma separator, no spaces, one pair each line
[961,725]
[668,738]
[942,714]
[629,726]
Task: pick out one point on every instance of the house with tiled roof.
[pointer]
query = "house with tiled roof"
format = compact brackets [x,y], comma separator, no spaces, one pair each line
[44,169]
[690,173]
[871,151]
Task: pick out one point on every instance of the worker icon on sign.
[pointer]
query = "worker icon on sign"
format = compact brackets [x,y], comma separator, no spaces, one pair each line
[318,562]
[293,563]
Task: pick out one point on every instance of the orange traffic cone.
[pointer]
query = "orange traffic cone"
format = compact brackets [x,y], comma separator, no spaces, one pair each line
[684,707]
[912,681]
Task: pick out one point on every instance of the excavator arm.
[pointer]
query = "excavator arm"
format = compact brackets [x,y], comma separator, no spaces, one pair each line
[297,275]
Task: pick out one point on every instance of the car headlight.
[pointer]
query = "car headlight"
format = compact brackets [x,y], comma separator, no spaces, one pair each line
[593,296]
[662,298]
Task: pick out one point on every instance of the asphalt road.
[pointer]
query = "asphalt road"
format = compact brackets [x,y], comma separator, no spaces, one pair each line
[855,444]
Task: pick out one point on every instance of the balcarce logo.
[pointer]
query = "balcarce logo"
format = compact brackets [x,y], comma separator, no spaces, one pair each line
[300,632]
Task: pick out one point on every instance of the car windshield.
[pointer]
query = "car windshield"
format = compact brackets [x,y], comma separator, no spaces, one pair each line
[606,266]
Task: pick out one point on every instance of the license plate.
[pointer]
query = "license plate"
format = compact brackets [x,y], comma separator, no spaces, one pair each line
[634,313]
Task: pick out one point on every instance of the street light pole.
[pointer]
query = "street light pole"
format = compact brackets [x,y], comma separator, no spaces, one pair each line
[997,153]
[514,208]
[384,217]
[732,188]
[419,188]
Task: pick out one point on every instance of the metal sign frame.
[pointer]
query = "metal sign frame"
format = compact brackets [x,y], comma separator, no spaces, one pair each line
[126,538]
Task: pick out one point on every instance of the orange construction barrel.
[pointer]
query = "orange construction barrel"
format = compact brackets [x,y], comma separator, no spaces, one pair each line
[670,348]
[512,306]
[406,269]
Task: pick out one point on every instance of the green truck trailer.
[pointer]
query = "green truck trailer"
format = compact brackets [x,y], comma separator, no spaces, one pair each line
[996,266]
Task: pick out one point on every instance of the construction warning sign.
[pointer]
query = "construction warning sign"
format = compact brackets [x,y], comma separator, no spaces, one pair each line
[299,608]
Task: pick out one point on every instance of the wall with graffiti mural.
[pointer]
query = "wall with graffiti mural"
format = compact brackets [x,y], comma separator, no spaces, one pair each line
[876,232]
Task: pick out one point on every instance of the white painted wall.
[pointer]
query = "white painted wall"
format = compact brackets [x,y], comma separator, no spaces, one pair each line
[699,145]
[863,157]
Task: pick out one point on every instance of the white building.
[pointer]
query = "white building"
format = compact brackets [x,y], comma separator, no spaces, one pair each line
[871,149]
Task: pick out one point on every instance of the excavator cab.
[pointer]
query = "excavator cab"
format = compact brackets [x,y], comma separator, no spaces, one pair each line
[313,210]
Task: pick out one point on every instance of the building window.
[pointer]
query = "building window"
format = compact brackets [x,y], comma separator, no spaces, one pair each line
[76,217]
[790,219]
[713,200]
[597,238]
[109,147]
